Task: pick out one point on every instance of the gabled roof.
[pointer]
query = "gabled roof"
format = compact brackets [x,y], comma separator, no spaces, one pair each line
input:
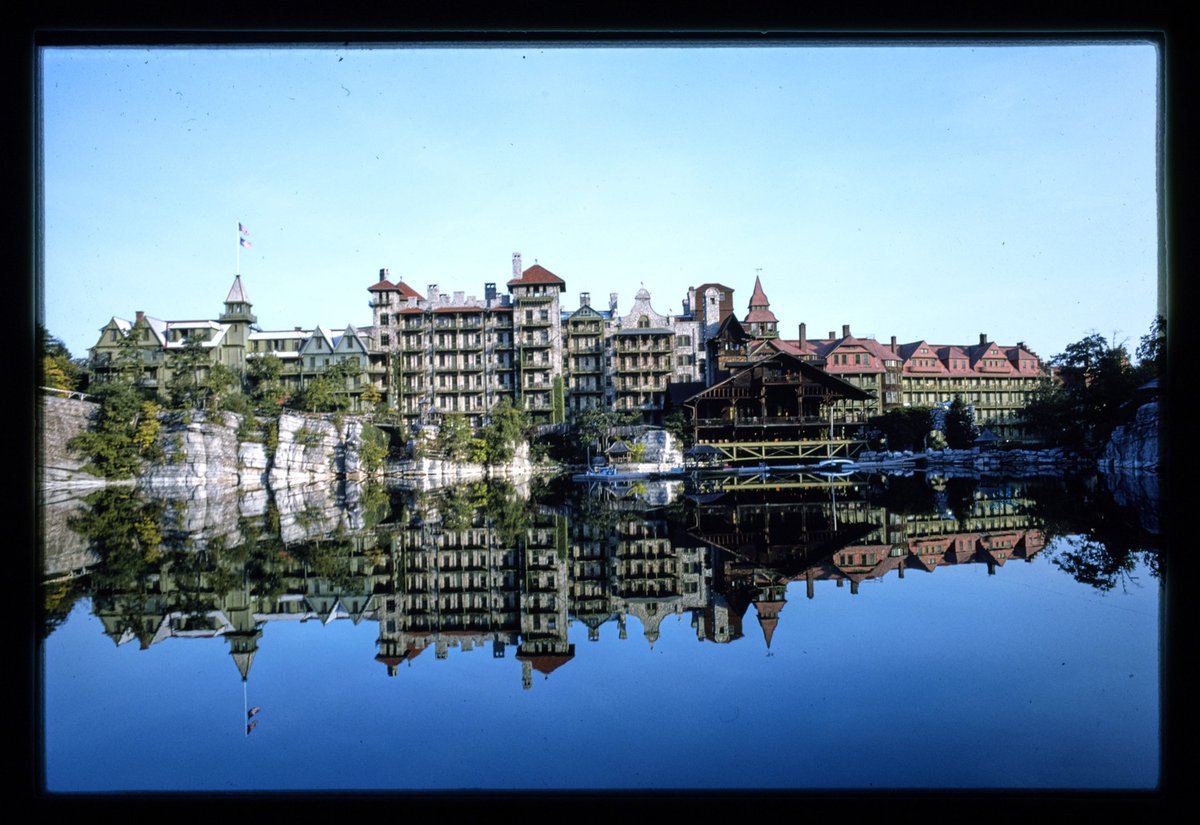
[845,388]
[537,274]
[586,312]
[731,328]
[401,287]
[547,663]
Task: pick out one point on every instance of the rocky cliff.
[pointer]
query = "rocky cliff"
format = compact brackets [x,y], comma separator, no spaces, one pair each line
[1135,446]
[201,450]
[222,448]
[1131,465]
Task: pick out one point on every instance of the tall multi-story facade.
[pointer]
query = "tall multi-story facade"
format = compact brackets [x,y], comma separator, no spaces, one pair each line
[446,354]
[435,353]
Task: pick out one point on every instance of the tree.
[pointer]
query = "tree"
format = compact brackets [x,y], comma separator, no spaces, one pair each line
[189,366]
[960,425]
[264,383]
[1152,350]
[220,386]
[679,426]
[504,430]
[454,437]
[558,411]
[904,428]
[1081,412]
[58,369]
[593,426]
[121,433]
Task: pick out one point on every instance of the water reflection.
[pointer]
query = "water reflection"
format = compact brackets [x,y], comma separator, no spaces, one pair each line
[489,565]
[327,605]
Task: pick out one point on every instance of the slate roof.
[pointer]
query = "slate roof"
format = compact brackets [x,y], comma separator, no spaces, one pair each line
[537,274]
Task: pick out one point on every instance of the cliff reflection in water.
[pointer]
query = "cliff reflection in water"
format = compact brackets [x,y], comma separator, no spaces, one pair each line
[489,565]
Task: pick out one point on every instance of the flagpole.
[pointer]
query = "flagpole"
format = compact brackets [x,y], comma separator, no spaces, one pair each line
[238,235]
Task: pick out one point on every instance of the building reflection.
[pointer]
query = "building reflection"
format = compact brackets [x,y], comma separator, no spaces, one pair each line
[474,569]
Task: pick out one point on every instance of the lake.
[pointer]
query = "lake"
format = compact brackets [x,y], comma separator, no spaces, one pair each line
[784,632]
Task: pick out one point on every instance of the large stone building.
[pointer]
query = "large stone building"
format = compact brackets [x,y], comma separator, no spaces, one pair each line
[442,353]
[437,353]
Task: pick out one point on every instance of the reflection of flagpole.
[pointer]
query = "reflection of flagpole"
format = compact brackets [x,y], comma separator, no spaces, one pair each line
[245,703]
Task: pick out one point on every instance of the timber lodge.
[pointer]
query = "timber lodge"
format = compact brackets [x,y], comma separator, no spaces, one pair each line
[435,353]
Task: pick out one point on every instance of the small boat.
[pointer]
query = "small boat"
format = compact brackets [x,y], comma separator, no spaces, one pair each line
[835,467]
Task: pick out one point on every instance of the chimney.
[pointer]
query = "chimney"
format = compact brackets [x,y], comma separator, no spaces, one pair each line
[893,343]
[516,264]
[845,330]
[691,299]
[489,293]
[433,293]
[982,338]
[139,316]
[612,301]
[831,335]
[458,299]
[803,337]
[585,299]
[298,329]
[383,275]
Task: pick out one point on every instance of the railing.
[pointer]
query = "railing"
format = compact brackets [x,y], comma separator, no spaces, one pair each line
[73,395]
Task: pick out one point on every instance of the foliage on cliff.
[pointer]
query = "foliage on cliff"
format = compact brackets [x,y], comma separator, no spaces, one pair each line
[122,433]
[1096,383]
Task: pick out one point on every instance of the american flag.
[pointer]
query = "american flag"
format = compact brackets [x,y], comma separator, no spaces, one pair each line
[244,242]
[243,229]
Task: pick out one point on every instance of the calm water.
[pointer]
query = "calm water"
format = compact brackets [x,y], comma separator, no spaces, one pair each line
[814,633]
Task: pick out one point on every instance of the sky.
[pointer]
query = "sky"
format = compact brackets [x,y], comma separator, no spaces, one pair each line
[928,192]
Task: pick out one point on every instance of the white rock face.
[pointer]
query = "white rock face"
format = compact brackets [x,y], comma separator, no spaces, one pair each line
[435,472]
[197,454]
[1135,446]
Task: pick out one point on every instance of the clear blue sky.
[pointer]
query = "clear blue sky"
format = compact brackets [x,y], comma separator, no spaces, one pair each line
[922,192]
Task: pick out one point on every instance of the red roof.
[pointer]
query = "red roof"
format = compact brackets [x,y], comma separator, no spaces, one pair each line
[537,274]
[547,663]
[760,315]
[403,288]
[759,298]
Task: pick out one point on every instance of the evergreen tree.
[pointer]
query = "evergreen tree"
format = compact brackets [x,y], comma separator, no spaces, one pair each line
[960,425]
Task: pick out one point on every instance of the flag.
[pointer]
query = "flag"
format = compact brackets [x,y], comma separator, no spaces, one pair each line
[243,229]
[251,726]
[244,242]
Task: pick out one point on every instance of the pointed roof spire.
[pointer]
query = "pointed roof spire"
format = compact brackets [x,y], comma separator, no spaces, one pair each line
[760,312]
[759,298]
[237,295]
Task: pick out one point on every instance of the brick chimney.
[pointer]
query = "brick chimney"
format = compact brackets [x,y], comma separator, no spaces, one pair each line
[832,335]
[612,301]
[139,316]
[893,343]
[803,337]
[383,275]
[585,299]
[516,264]
[845,330]
[982,338]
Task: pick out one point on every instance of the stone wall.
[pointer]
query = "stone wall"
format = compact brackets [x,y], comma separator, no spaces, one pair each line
[61,420]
